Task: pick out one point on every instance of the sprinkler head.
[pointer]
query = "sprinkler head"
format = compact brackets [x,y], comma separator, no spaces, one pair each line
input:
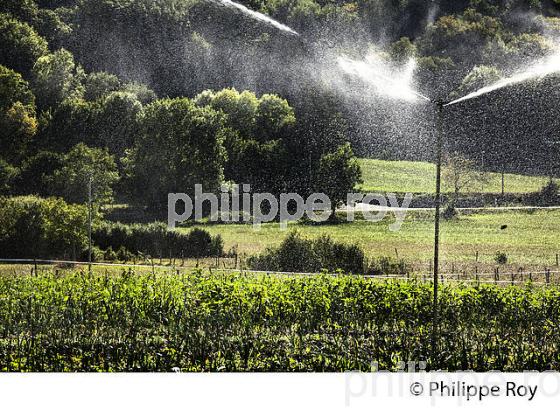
[440,103]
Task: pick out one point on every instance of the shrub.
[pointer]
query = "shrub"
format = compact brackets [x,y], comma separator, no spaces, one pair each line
[32,227]
[124,254]
[450,212]
[387,266]
[501,258]
[548,195]
[157,240]
[110,254]
[297,254]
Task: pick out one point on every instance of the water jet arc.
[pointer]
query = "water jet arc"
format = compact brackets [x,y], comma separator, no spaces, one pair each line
[255,15]
[546,67]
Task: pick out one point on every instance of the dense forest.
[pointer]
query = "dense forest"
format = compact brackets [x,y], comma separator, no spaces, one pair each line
[149,97]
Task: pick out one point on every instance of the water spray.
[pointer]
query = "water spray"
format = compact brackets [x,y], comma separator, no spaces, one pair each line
[386,81]
[255,15]
[539,70]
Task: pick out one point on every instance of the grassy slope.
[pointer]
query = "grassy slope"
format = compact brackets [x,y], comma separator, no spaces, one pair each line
[530,238]
[419,177]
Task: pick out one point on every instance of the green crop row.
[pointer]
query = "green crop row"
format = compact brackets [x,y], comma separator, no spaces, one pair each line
[204,321]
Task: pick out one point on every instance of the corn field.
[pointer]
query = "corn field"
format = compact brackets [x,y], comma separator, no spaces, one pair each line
[202,321]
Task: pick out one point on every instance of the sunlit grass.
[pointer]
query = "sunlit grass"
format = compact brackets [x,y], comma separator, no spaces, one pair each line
[530,238]
[419,177]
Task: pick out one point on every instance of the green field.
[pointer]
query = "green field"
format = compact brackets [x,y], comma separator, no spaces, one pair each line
[531,238]
[419,177]
[203,321]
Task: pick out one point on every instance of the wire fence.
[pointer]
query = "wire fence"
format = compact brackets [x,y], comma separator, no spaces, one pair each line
[544,277]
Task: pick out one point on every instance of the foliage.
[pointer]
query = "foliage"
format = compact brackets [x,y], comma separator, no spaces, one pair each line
[460,174]
[156,240]
[18,126]
[135,321]
[338,173]
[180,145]
[478,77]
[47,228]
[80,165]
[17,115]
[56,78]
[116,122]
[36,174]
[99,85]
[387,266]
[256,151]
[501,258]
[8,175]
[297,254]
[20,45]
[450,212]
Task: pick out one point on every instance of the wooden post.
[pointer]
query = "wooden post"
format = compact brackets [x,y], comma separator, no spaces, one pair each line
[503,183]
[547,273]
[35,263]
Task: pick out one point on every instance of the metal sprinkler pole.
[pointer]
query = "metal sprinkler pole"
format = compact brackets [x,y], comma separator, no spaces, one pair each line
[89,222]
[439,143]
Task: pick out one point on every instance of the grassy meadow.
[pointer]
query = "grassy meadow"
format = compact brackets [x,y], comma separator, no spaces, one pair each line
[530,239]
[419,177]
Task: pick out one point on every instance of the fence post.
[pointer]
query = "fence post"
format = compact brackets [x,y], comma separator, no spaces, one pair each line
[35,263]
[547,273]
[496,275]
[512,277]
